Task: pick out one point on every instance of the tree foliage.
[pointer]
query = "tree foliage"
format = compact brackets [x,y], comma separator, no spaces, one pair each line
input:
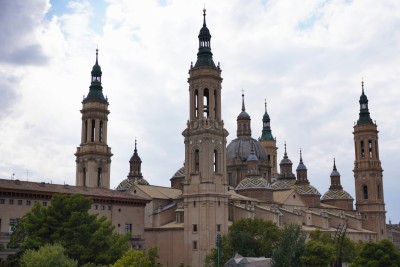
[379,254]
[248,237]
[138,258]
[290,247]
[47,256]
[67,222]
[322,250]
[253,237]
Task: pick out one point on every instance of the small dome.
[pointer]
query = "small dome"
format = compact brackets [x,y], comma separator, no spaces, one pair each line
[286,161]
[96,69]
[301,166]
[253,183]
[204,32]
[179,173]
[135,157]
[306,189]
[240,148]
[283,184]
[244,116]
[266,117]
[127,183]
[252,156]
[335,173]
[363,98]
[336,194]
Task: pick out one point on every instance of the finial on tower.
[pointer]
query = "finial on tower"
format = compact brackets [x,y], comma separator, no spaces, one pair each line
[243,107]
[135,144]
[334,164]
[204,15]
[265,105]
[362,84]
[301,156]
[97,55]
[285,155]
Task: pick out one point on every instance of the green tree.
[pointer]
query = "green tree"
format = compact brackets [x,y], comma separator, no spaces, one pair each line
[248,237]
[47,256]
[253,237]
[319,251]
[379,254]
[138,258]
[289,247]
[226,253]
[67,222]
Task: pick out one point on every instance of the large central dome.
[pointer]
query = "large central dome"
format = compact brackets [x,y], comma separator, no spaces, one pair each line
[240,148]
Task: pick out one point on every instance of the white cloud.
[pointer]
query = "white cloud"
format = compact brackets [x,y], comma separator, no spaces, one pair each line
[306,58]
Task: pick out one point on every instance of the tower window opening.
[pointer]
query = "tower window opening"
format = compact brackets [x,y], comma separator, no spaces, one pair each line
[196,161]
[370,148]
[365,191]
[206,103]
[93,130]
[99,173]
[362,150]
[215,103]
[101,132]
[86,131]
[230,178]
[84,176]
[215,161]
[196,103]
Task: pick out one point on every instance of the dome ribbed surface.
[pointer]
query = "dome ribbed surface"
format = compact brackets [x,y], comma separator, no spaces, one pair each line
[336,194]
[240,148]
[253,183]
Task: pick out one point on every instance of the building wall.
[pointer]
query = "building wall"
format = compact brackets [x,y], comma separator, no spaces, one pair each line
[170,244]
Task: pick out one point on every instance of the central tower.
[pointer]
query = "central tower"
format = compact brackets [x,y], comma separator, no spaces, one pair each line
[204,192]
[93,156]
[368,172]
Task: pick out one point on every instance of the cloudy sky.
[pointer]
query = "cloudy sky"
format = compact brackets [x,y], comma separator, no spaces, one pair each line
[307,58]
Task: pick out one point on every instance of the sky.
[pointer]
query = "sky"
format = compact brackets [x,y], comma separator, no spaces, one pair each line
[305,58]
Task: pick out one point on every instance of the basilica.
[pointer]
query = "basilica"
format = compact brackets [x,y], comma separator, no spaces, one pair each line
[219,183]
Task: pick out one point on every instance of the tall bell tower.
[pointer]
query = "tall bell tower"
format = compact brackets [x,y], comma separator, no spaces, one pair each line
[204,192]
[93,156]
[368,172]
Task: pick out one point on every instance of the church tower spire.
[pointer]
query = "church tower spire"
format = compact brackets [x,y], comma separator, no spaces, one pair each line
[204,190]
[93,156]
[135,164]
[243,122]
[269,143]
[368,172]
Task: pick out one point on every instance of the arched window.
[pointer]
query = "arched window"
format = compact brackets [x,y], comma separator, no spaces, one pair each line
[99,174]
[84,176]
[196,161]
[206,103]
[101,132]
[86,131]
[216,161]
[365,191]
[215,103]
[370,148]
[196,103]
[362,149]
[93,130]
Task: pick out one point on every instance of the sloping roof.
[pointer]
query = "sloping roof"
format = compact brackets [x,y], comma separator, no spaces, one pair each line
[235,196]
[160,192]
[282,196]
[46,188]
